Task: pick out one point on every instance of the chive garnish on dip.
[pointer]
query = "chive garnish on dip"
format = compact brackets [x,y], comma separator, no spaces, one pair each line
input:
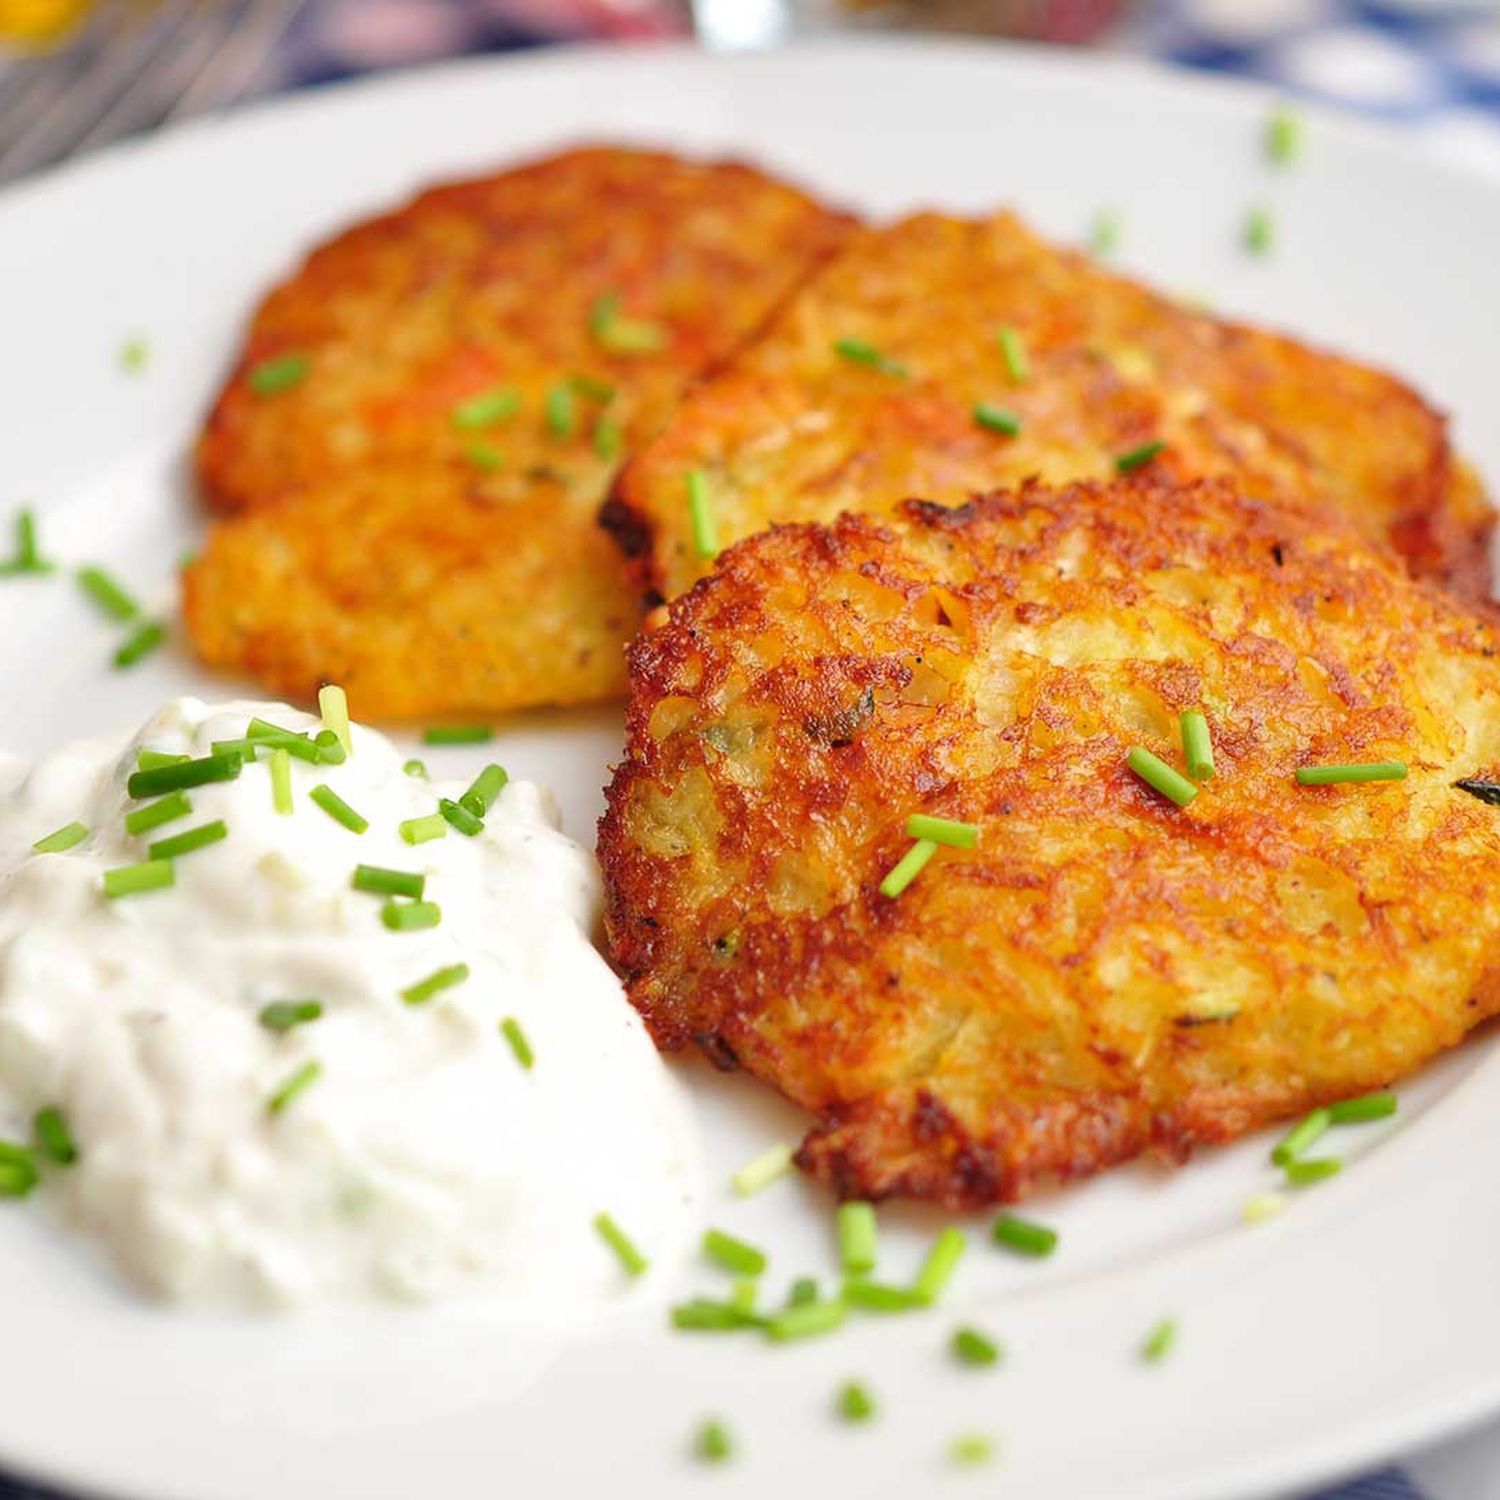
[435,983]
[281,779]
[53,1138]
[180,774]
[423,830]
[971,1448]
[1158,775]
[282,1015]
[299,1082]
[1284,137]
[65,838]
[415,767]
[874,1296]
[733,1254]
[1104,237]
[907,868]
[410,916]
[626,1253]
[485,787]
[149,760]
[18,1174]
[136,880]
[510,1029]
[1378,770]
[154,814]
[337,809]
[858,352]
[376,880]
[105,592]
[1023,1236]
[185,843]
[701,512]
[458,817]
[333,705]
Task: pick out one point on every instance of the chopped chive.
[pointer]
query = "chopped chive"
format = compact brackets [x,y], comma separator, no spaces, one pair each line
[1303,1173]
[857,1241]
[858,352]
[1197,745]
[18,1174]
[154,814]
[1158,775]
[485,457]
[745,1291]
[28,554]
[593,390]
[942,830]
[281,1015]
[970,1347]
[1138,458]
[423,830]
[1159,1342]
[281,779]
[1378,770]
[1283,137]
[135,880]
[1104,237]
[149,760]
[155,780]
[609,439]
[510,1029]
[803,1290]
[734,1255]
[997,419]
[701,511]
[806,1320]
[1013,352]
[484,789]
[1367,1107]
[1023,1236]
[712,1443]
[485,409]
[410,916]
[626,1253]
[775,1161]
[854,1402]
[906,870]
[331,749]
[1302,1135]
[107,594]
[701,1315]
[140,643]
[135,355]
[337,809]
[458,817]
[299,1082]
[65,838]
[415,767]
[375,880]
[456,734]
[942,1260]
[562,411]
[1262,1206]
[633,336]
[875,1296]
[243,750]
[1259,231]
[333,705]
[53,1138]
[435,983]
[273,736]
[185,843]
[971,1448]
[272,376]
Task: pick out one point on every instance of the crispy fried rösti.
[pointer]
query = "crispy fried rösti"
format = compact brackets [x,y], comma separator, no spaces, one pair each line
[1105,974]
[425,417]
[795,430]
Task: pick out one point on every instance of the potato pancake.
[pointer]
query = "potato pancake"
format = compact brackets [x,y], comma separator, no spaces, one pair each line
[945,357]
[1105,973]
[425,418]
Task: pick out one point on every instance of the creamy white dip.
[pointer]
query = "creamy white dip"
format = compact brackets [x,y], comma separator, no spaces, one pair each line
[423,1161]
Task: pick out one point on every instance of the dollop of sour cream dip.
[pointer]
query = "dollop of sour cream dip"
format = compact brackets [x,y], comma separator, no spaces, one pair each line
[392,1146]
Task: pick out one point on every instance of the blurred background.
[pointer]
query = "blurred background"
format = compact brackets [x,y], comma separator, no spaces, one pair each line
[75,74]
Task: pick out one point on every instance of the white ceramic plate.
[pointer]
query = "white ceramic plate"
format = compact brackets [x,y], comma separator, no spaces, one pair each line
[1363,1321]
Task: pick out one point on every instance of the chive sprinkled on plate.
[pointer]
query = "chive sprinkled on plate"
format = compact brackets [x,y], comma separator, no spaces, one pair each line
[806,1320]
[907,868]
[333,707]
[942,830]
[439,980]
[878,1297]
[631,1259]
[858,352]
[53,1138]
[854,1403]
[181,774]
[733,1254]
[423,830]
[329,800]
[28,558]
[280,373]
[970,1347]
[410,916]
[1259,233]
[282,1015]
[1378,1106]
[1302,1135]
[516,1039]
[483,790]
[485,409]
[136,880]
[298,1083]
[712,1443]
[857,1238]
[454,734]
[942,1260]
[376,880]
[1197,745]
[997,419]
[1104,236]
[104,591]
[970,1449]
[135,355]
[1013,352]
[459,818]
[189,841]
[165,810]
[18,1173]
[803,1291]
[67,837]
[701,513]
[415,767]
[1284,137]
[1160,777]
[1303,1173]
[140,643]
[1137,458]
[703,1315]
[1261,1207]
[1024,1236]
[281,779]
[775,1161]
[1160,1342]
[562,411]
[1376,770]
